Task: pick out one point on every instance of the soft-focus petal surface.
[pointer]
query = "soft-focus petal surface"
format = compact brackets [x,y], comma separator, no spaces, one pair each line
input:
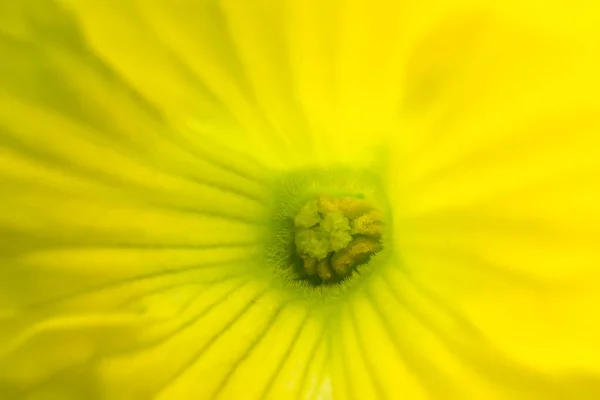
[138,140]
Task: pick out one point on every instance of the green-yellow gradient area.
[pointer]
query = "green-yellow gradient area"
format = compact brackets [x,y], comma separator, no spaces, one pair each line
[142,149]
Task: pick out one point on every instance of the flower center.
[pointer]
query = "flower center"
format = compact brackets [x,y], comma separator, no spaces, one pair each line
[335,235]
[329,230]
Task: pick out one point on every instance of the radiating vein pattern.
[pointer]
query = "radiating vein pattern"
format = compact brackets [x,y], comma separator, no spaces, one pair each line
[143,146]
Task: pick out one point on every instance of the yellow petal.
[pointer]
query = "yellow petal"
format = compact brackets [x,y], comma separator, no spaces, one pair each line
[138,142]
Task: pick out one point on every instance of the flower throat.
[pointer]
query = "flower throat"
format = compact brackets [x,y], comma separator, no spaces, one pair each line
[328,230]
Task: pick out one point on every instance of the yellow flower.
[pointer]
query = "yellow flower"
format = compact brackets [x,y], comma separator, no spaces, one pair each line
[273,199]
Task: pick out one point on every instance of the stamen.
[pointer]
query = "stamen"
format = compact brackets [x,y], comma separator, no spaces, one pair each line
[334,236]
[368,224]
[357,252]
[351,207]
[310,265]
[324,270]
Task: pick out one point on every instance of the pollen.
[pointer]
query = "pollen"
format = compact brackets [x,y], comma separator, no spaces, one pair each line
[334,236]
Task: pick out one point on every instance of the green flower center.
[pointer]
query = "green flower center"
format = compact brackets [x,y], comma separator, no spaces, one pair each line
[334,236]
[329,230]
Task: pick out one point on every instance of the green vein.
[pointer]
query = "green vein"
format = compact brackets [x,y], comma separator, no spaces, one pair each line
[478,361]
[251,90]
[105,72]
[418,365]
[190,322]
[310,359]
[403,352]
[444,306]
[200,85]
[285,357]
[123,198]
[142,247]
[249,349]
[471,260]
[164,289]
[62,374]
[321,373]
[346,375]
[177,140]
[13,238]
[367,363]
[111,180]
[122,282]
[418,315]
[196,356]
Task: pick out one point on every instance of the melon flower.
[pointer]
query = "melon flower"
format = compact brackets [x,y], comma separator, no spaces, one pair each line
[299,199]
